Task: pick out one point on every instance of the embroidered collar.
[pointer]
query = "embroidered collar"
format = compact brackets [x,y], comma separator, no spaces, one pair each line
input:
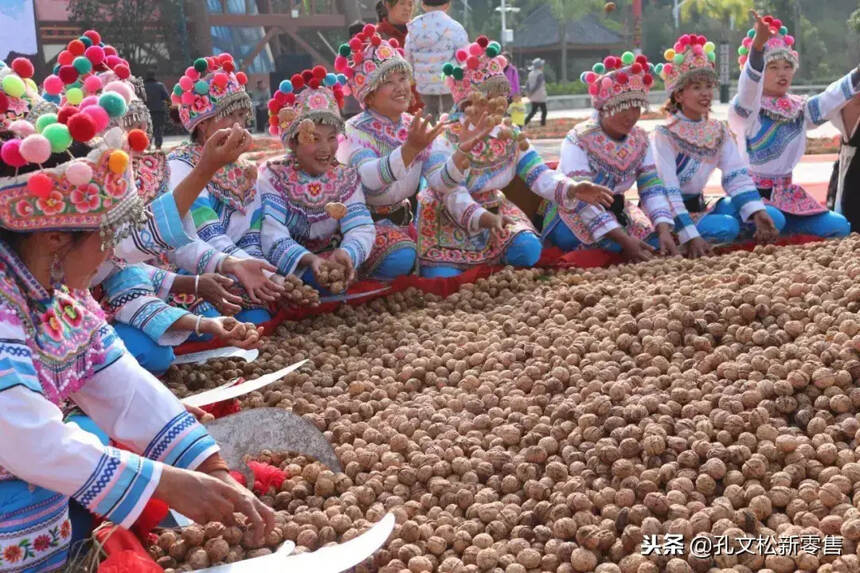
[702,139]
[310,193]
[784,108]
[234,184]
[150,174]
[620,157]
[30,286]
[379,133]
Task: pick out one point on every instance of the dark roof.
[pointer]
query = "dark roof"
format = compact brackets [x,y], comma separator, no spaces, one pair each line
[541,28]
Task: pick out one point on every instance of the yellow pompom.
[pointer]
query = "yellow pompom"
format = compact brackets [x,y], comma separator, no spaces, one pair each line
[669,54]
[118,161]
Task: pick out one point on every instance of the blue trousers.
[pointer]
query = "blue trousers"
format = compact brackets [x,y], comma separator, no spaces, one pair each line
[524,251]
[827,225]
[716,228]
[397,263]
[563,238]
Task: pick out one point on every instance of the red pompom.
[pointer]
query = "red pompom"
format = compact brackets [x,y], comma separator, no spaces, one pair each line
[280,98]
[298,82]
[314,84]
[319,72]
[94,36]
[642,59]
[483,41]
[4,102]
[77,48]
[394,43]
[621,78]
[376,40]
[113,60]
[768,19]
[137,140]
[66,113]
[274,106]
[291,98]
[685,39]
[110,51]
[68,74]
[241,78]
[648,80]
[23,67]
[307,75]
[462,55]
[40,185]
[636,68]
[368,30]
[609,62]
[273,120]
[122,71]
[473,62]
[65,58]
[82,127]
[228,66]
[777,23]
[355,44]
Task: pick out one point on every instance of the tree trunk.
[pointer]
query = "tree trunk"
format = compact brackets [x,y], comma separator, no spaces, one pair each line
[199,31]
[563,38]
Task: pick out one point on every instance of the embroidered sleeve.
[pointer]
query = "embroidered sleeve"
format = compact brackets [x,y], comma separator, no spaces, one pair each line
[441,171]
[16,359]
[737,182]
[376,173]
[134,300]
[357,228]
[822,107]
[465,211]
[142,414]
[574,163]
[161,279]
[162,232]
[197,257]
[664,157]
[652,192]
[279,247]
[545,182]
[744,107]
[202,220]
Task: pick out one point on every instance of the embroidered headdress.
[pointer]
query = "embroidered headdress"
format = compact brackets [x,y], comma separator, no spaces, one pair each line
[314,96]
[479,67]
[19,95]
[617,84]
[780,45]
[692,58]
[367,59]
[210,88]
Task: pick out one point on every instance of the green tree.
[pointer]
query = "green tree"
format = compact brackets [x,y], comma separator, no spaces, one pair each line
[148,33]
[567,11]
[854,20]
[730,13]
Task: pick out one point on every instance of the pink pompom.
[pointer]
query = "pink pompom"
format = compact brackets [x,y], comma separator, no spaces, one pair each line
[113,60]
[100,117]
[186,83]
[777,23]
[462,55]
[22,128]
[678,47]
[476,50]
[10,153]
[36,149]
[747,42]
[110,51]
[273,130]
[606,83]
[684,40]
[698,50]
[175,99]
[93,84]
[789,40]
[79,173]
[667,69]
[503,62]
[121,88]
[192,73]
[590,77]
[88,101]
[340,64]
[593,89]
[221,79]
[53,85]
[95,54]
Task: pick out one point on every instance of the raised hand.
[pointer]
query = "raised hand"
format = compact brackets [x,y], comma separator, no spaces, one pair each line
[763,31]
[224,147]
[475,132]
[422,132]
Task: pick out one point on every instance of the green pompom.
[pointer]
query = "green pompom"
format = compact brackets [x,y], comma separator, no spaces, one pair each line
[86,41]
[45,120]
[458,73]
[743,51]
[59,136]
[201,65]
[492,51]
[496,46]
[679,58]
[83,65]
[201,87]
[658,68]
[783,30]
[627,58]
[448,68]
[712,56]
[113,104]
[177,90]
[598,68]
[751,33]
[344,50]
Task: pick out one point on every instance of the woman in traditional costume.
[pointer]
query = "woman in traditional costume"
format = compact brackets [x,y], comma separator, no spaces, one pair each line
[691,145]
[475,224]
[771,125]
[611,150]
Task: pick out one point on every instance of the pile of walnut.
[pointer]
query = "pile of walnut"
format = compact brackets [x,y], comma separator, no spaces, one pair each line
[297,293]
[542,421]
[333,277]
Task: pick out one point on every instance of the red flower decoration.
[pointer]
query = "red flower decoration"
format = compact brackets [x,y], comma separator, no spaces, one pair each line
[41,543]
[66,529]
[86,198]
[12,553]
[52,204]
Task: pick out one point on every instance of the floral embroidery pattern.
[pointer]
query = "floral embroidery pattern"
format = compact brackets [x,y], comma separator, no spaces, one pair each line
[86,198]
[700,139]
[783,108]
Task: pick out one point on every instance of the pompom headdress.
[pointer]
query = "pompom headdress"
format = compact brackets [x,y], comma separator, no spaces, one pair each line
[620,83]
[479,67]
[19,94]
[312,97]
[367,60]
[779,46]
[210,88]
[692,57]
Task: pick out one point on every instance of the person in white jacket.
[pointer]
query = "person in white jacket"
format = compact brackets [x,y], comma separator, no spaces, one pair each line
[771,124]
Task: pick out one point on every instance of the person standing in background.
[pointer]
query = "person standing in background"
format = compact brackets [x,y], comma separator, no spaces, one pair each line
[260,99]
[513,75]
[536,89]
[156,102]
[433,39]
[393,15]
